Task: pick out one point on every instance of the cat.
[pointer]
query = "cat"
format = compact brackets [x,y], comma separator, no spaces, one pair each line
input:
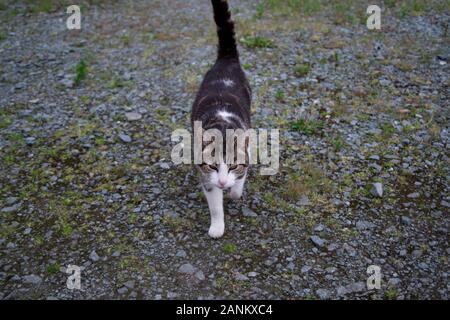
[223,102]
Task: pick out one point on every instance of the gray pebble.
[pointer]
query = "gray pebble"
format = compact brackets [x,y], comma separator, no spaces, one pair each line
[318,241]
[122,290]
[133,116]
[186,268]
[32,278]
[125,138]
[413,195]
[200,275]
[248,212]
[323,294]
[377,189]
[94,256]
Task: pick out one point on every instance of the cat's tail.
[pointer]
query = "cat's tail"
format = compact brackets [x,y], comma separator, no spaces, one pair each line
[225,30]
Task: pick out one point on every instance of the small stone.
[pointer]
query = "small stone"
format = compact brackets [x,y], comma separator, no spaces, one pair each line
[200,275]
[122,290]
[116,196]
[181,253]
[94,256]
[304,201]
[129,284]
[423,265]
[16,278]
[67,82]
[359,91]
[305,269]
[377,189]
[171,295]
[417,253]
[413,195]
[332,247]
[164,165]
[186,268]
[241,277]
[125,138]
[30,140]
[445,203]
[377,167]
[11,200]
[364,225]
[393,282]
[133,116]
[323,294]
[319,228]
[331,269]
[11,245]
[32,278]
[356,287]
[248,212]
[405,220]
[349,249]
[13,208]
[156,190]
[252,274]
[116,254]
[137,209]
[341,291]
[27,231]
[318,241]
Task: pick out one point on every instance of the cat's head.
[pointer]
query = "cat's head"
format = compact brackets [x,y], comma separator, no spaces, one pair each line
[223,174]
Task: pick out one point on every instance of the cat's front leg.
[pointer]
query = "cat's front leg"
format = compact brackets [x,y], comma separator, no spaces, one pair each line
[214,196]
[238,187]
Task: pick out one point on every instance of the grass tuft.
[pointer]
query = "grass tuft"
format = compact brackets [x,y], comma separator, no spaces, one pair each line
[302,69]
[229,248]
[309,127]
[53,268]
[80,72]
[257,42]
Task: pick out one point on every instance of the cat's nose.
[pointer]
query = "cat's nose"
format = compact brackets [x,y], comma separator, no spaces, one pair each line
[222,182]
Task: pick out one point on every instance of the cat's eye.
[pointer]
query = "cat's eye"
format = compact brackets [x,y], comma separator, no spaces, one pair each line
[213,167]
[233,167]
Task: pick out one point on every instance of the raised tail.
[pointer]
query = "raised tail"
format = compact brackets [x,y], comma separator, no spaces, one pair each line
[225,30]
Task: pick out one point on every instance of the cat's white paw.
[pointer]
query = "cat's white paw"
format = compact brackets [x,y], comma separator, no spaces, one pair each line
[216,231]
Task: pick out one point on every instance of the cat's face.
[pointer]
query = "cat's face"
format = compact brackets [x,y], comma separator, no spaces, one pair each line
[223,175]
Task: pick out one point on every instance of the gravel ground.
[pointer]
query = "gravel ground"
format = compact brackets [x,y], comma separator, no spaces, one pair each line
[86,178]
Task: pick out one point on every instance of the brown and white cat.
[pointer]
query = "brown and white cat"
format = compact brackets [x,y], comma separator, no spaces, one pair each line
[223,102]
